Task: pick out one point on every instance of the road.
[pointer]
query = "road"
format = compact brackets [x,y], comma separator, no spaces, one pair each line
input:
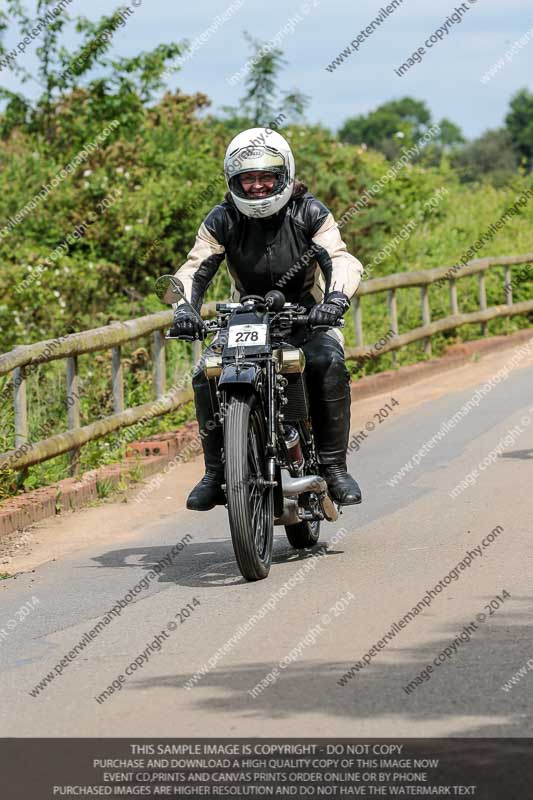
[327,607]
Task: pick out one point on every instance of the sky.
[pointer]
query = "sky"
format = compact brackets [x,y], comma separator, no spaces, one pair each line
[312,33]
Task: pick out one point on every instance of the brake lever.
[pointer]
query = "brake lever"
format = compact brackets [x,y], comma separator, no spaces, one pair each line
[340,324]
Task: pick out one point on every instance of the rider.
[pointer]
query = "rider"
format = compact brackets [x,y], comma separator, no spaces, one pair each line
[273,233]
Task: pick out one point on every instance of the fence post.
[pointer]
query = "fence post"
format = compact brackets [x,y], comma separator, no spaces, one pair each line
[426,317]
[507,285]
[393,317]
[453,296]
[20,403]
[159,364]
[358,321]
[73,409]
[482,300]
[117,379]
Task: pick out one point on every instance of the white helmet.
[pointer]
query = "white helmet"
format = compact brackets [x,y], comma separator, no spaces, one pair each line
[260,150]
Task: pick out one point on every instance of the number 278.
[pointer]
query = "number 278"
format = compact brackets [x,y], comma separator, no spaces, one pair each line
[246,336]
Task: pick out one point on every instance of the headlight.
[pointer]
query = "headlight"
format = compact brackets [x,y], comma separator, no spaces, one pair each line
[289,360]
[213,366]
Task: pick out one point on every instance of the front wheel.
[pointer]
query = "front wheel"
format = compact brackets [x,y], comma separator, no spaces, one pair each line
[303,534]
[250,498]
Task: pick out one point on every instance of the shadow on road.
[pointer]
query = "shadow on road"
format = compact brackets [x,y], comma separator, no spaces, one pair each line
[203,564]
[520,454]
[467,686]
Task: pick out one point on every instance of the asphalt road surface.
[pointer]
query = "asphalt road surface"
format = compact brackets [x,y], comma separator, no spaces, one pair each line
[294,635]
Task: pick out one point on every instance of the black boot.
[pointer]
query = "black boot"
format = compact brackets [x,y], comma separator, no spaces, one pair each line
[329,393]
[342,487]
[208,492]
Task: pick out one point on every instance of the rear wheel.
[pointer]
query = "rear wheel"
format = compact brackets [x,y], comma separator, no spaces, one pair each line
[250,500]
[303,534]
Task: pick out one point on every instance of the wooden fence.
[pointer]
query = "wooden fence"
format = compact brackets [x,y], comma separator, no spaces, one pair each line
[22,360]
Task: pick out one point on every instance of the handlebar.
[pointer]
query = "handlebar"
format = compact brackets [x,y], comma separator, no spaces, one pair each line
[299,320]
[296,319]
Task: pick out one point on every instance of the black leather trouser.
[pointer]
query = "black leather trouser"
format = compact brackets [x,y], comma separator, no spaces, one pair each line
[328,383]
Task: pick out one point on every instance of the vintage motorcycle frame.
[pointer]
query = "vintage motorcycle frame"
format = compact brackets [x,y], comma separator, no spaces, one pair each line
[257,382]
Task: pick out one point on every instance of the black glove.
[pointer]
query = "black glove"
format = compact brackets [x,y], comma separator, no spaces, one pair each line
[186,325]
[329,312]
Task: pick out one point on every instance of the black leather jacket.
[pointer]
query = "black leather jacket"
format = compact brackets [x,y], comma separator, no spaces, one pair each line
[299,251]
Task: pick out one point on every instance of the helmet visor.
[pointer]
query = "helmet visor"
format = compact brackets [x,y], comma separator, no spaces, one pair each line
[244,163]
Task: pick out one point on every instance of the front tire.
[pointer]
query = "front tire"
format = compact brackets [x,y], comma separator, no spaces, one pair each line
[250,502]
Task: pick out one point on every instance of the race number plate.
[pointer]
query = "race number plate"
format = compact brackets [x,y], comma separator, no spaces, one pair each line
[248,335]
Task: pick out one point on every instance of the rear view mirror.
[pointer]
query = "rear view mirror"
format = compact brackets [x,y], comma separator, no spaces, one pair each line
[169,289]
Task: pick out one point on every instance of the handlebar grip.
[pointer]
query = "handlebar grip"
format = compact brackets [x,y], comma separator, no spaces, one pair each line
[304,320]
[184,337]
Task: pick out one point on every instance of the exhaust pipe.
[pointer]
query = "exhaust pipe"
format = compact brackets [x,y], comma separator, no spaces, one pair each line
[290,513]
[292,487]
[307,483]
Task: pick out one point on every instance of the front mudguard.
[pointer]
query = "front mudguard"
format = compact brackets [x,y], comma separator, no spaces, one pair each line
[247,376]
[245,379]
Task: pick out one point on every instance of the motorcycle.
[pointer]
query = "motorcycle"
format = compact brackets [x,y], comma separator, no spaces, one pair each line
[260,396]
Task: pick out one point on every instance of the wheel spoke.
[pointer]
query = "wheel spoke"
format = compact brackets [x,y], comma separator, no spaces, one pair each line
[254,494]
[254,452]
[259,529]
[256,508]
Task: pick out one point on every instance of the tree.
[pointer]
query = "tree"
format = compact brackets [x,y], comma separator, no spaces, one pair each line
[263,99]
[519,122]
[447,142]
[390,127]
[450,136]
[490,157]
[414,112]
[261,81]
[294,104]
[120,87]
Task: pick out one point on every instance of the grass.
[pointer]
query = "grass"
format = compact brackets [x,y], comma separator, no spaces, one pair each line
[47,412]
[135,474]
[104,488]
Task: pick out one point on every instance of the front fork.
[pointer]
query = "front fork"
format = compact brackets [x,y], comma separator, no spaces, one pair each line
[268,401]
[270,396]
[274,417]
